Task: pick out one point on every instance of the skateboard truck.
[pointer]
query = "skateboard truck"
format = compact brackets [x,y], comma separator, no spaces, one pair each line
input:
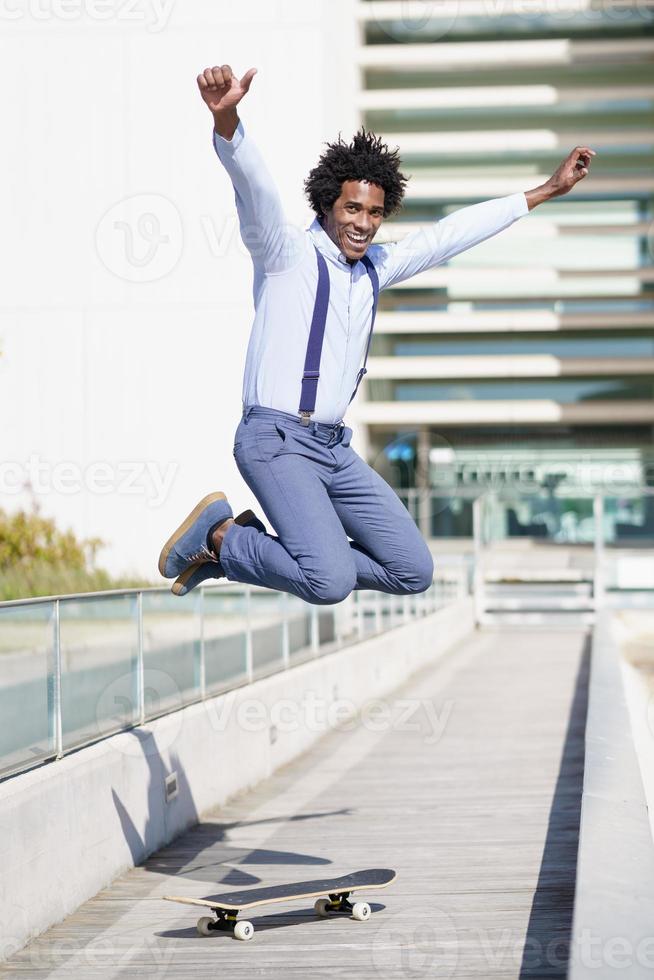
[225,921]
[339,903]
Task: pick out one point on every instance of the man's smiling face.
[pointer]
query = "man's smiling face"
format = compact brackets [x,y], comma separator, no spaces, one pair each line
[355,217]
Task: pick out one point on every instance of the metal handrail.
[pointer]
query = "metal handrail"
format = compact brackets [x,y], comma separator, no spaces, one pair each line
[364,607]
[134,591]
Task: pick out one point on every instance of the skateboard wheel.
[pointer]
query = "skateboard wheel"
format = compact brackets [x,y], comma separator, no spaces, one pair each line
[321,908]
[361,911]
[204,925]
[243,930]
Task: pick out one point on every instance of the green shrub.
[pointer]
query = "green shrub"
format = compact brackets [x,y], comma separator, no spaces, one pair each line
[36,559]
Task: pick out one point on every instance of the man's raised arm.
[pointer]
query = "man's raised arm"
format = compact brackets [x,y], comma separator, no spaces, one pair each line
[434,244]
[272,243]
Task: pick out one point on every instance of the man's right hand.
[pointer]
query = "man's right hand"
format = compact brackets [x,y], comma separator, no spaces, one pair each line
[222,90]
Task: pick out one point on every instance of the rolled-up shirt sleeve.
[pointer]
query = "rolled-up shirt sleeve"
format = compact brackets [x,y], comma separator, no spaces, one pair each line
[435,243]
[273,244]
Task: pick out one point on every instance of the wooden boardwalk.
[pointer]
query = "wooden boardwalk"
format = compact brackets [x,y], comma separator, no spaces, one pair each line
[471,790]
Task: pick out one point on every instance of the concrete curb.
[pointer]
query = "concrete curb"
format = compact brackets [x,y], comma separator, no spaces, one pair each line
[613,925]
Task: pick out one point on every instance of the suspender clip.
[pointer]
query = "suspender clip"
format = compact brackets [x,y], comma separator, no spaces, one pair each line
[305,418]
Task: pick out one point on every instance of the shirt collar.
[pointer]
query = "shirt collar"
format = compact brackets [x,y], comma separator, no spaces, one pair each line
[327,246]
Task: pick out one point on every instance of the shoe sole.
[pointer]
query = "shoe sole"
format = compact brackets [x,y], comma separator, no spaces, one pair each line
[184,526]
[182,579]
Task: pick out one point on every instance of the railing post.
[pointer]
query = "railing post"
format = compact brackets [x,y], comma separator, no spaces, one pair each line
[598,553]
[139,692]
[315,630]
[359,614]
[342,616]
[286,645]
[477,571]
[249,665]
[202,670]
[378,612]
[56,691]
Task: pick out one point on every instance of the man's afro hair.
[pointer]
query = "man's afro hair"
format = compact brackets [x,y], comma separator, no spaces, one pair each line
[365,158]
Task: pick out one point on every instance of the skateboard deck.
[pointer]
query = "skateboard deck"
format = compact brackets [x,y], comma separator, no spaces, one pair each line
[227,906]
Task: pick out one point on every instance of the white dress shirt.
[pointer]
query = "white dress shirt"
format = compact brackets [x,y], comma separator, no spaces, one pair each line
[286,277]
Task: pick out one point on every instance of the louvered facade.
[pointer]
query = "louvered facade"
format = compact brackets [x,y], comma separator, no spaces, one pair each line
[526,363]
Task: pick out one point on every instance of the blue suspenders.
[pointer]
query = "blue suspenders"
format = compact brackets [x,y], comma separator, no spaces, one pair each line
[317,332]
[374,278]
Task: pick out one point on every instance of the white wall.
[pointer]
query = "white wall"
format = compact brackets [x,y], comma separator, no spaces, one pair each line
[125,308]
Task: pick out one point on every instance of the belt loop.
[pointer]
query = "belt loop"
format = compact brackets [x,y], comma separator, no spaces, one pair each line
[247,411]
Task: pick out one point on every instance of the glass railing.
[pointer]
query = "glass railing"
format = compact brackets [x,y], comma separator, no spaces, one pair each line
[76,669]
[615,568]
[564,517]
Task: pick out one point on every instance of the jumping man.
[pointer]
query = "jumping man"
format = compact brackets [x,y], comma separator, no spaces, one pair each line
[315,296]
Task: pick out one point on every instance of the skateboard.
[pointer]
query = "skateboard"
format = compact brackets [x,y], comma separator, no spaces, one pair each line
[227,906]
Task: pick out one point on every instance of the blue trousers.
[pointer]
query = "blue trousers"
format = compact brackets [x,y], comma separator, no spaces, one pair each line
[316,491]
